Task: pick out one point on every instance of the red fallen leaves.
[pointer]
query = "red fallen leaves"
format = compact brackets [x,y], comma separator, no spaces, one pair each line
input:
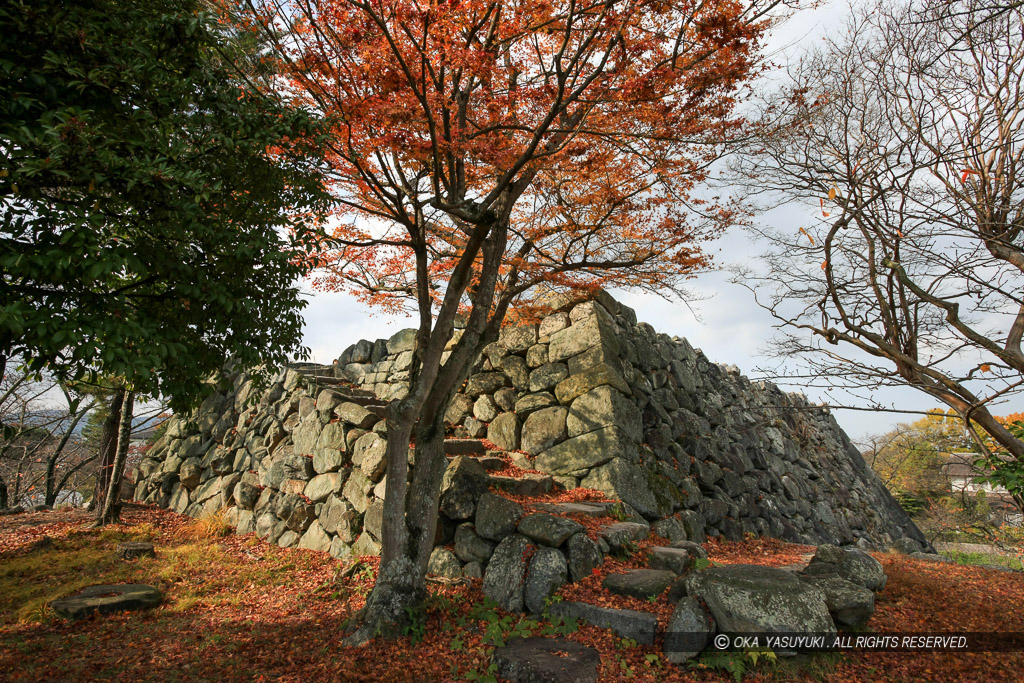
[573,496]
[768,552]
[263,611]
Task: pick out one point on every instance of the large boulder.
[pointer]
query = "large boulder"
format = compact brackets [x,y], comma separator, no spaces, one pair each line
[548,571]
[688,631]
[630,483]
[593,331]
[754,599]
[356,415]
[296,513]
[323,485]
[852,564]
[602,374]
[640,583]
[464,482]
[549,530]
[470,547]
[585,451]
[848,603]
[676,560]
[543,429]
[315,538]
[339,517]
[605,406]
[484,383]
[505,431]
[584,556]
[444,563]
[540,660]
[547,376]
[496,516]
[627,623]
[505,578]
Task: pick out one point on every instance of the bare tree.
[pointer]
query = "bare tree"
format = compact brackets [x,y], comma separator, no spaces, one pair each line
[906,137]
[40,451]
[45,453]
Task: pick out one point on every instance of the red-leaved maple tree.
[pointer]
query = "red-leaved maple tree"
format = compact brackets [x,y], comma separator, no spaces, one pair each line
[483,148]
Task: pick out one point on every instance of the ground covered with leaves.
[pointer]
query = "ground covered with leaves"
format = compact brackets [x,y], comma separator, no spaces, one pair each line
[238,609]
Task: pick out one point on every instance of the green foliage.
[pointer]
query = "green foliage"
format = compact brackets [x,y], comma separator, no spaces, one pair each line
[627,550]
[909,458]
[617,512]
[989,559]
[912,504]
[156,205]
[1009,473]
[735,663]
[701,563]
[416,625]
[499,628]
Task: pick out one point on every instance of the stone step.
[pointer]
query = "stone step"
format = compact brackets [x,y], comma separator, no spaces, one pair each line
[464,447]
[640,583]
[365,400]
[321,372]
[621,535]
[527,485]
[546,659]
[590,509]
[380,410]
[489,463]
[640,626]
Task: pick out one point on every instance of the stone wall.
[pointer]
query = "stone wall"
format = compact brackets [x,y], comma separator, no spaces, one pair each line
[588,396]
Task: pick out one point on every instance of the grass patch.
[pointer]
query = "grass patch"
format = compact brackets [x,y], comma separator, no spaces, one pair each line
[28,583]
[210,526]
[969,559]
[190,570]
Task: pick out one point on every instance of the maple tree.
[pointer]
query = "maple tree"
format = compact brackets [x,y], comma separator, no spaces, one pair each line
[481,149]
[904,133]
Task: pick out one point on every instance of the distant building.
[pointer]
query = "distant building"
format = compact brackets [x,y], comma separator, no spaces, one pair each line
[959,469]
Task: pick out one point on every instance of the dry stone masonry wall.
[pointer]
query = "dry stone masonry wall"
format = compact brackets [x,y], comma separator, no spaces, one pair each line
[587,396]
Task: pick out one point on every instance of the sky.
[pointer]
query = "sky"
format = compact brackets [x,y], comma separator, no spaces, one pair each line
[725,322]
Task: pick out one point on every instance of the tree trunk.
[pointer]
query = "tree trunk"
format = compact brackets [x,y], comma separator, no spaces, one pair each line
[998,432]
[3,493]
[111,510]
[411,510]
[397,587]
[108,449]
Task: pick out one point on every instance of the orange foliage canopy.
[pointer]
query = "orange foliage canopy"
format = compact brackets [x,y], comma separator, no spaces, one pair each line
[572,136]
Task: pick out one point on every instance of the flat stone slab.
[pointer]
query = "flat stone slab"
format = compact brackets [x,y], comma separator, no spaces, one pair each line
[676,560]
[588,509]
[640,583]
[618,535]
[526,485]
[135,549]
[549,529]
[754,599]
[492,463]
[464,447]
[628,623]
[540,660]
[107,599]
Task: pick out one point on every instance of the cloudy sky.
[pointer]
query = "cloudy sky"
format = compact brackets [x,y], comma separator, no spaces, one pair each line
[725,323]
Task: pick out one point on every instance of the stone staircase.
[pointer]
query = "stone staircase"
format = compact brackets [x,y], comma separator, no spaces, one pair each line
[519,484]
